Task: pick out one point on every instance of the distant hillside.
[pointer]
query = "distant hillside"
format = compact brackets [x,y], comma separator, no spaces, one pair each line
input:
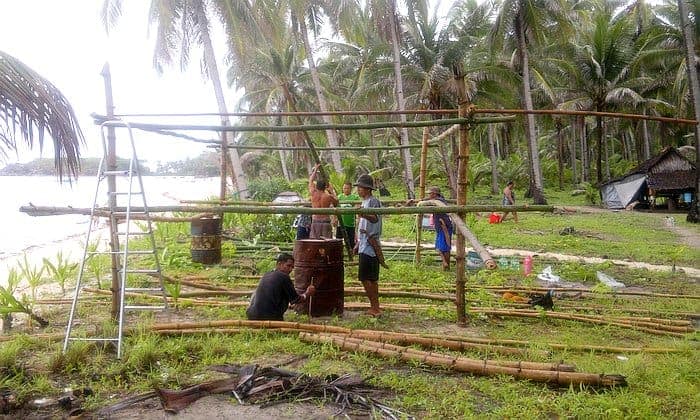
[205,165]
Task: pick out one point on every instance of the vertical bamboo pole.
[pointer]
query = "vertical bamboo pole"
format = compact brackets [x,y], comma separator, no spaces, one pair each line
[111,163]
[462,165]
[421,190]
[223,164]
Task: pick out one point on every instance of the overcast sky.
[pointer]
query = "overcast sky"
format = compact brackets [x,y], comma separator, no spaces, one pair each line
[65,41]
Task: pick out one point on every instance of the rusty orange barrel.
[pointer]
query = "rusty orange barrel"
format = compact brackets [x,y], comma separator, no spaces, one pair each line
[206,240]
[320,261]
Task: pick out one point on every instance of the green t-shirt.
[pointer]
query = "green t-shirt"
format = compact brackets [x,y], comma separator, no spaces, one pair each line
[348,219]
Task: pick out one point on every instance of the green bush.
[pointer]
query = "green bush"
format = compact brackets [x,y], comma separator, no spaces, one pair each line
[267,189]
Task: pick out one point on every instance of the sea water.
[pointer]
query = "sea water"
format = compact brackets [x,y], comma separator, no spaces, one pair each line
[24,234]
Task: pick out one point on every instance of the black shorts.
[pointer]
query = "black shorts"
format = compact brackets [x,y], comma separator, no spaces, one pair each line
[368,268]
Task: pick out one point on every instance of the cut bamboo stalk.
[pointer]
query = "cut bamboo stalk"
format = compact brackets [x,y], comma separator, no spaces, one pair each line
[249,324]
[573,318]
[583,290]
[627,320]
[478,367]
[516,364]
[191,283]
[404,338]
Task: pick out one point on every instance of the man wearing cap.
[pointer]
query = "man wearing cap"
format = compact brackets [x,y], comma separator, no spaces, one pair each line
[443,230]
[369,228]
[322,196]
[275,292]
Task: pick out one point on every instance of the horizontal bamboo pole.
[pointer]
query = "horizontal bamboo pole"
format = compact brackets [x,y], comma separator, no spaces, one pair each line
[304,127]
[472,110]
[571,317]
[105,211]
[303,203]
[520,364]
[585,114]
[477,367]
[558,346]
[304,148]
[249,324]
[429,342]
[583,290]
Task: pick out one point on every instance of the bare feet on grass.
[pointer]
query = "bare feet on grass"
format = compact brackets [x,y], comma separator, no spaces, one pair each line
[374,312]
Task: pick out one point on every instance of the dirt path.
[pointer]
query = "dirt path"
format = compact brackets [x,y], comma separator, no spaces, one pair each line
[691,272]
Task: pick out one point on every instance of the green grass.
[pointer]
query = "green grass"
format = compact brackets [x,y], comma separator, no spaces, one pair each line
[660,385]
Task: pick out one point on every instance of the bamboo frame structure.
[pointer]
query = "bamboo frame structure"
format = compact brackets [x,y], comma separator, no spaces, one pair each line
[465,119]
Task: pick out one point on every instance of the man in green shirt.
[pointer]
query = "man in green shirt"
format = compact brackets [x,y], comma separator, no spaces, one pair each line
[346,225]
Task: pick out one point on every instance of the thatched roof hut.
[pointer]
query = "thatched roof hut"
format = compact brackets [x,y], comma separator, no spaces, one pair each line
[669,174]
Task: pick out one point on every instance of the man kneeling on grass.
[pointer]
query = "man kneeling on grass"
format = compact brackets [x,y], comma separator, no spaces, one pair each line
[275,292]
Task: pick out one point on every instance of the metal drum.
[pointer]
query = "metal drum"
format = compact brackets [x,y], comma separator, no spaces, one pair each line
[320,261]
[206,240]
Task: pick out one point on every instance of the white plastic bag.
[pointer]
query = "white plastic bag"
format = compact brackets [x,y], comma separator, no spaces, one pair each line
[608,281]
[548,276]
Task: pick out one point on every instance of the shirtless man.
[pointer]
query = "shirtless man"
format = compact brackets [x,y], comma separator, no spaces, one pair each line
[509,200]
[322,196]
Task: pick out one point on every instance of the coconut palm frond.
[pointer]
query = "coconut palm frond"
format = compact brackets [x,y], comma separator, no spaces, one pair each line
[33,105]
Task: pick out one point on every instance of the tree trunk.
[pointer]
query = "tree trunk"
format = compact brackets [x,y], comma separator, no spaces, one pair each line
[532,149]
[646,146]
[560,154]
[574,166]
[400,102]
[607,152]
[599,147]
[228,137]
[493,159]
[694,88]
[585,151]
[332,134]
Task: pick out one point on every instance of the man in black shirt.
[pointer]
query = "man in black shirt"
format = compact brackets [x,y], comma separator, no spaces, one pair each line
[275,292]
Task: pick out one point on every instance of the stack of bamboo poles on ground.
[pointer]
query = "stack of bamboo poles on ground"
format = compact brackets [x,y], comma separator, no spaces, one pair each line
[656,326]
[377,342]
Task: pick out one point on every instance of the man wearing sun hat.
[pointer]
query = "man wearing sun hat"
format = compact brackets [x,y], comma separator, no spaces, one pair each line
[369,229]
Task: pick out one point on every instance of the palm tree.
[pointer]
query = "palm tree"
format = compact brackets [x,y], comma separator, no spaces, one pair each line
[181,24]
[692,70]
[602,71]
[386,16]
[301,10]
[526,20]
[33,105]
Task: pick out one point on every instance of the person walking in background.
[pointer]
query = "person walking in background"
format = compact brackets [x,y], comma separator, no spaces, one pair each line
[509,200]
[346,228]
[368,248]
[322,196]
[443,230]
[275,292]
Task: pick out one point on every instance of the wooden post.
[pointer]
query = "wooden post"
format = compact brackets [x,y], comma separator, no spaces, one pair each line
[111,162]
[462,165]
[421,190]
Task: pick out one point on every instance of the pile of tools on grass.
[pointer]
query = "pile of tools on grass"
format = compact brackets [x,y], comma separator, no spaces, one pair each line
[269,386]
